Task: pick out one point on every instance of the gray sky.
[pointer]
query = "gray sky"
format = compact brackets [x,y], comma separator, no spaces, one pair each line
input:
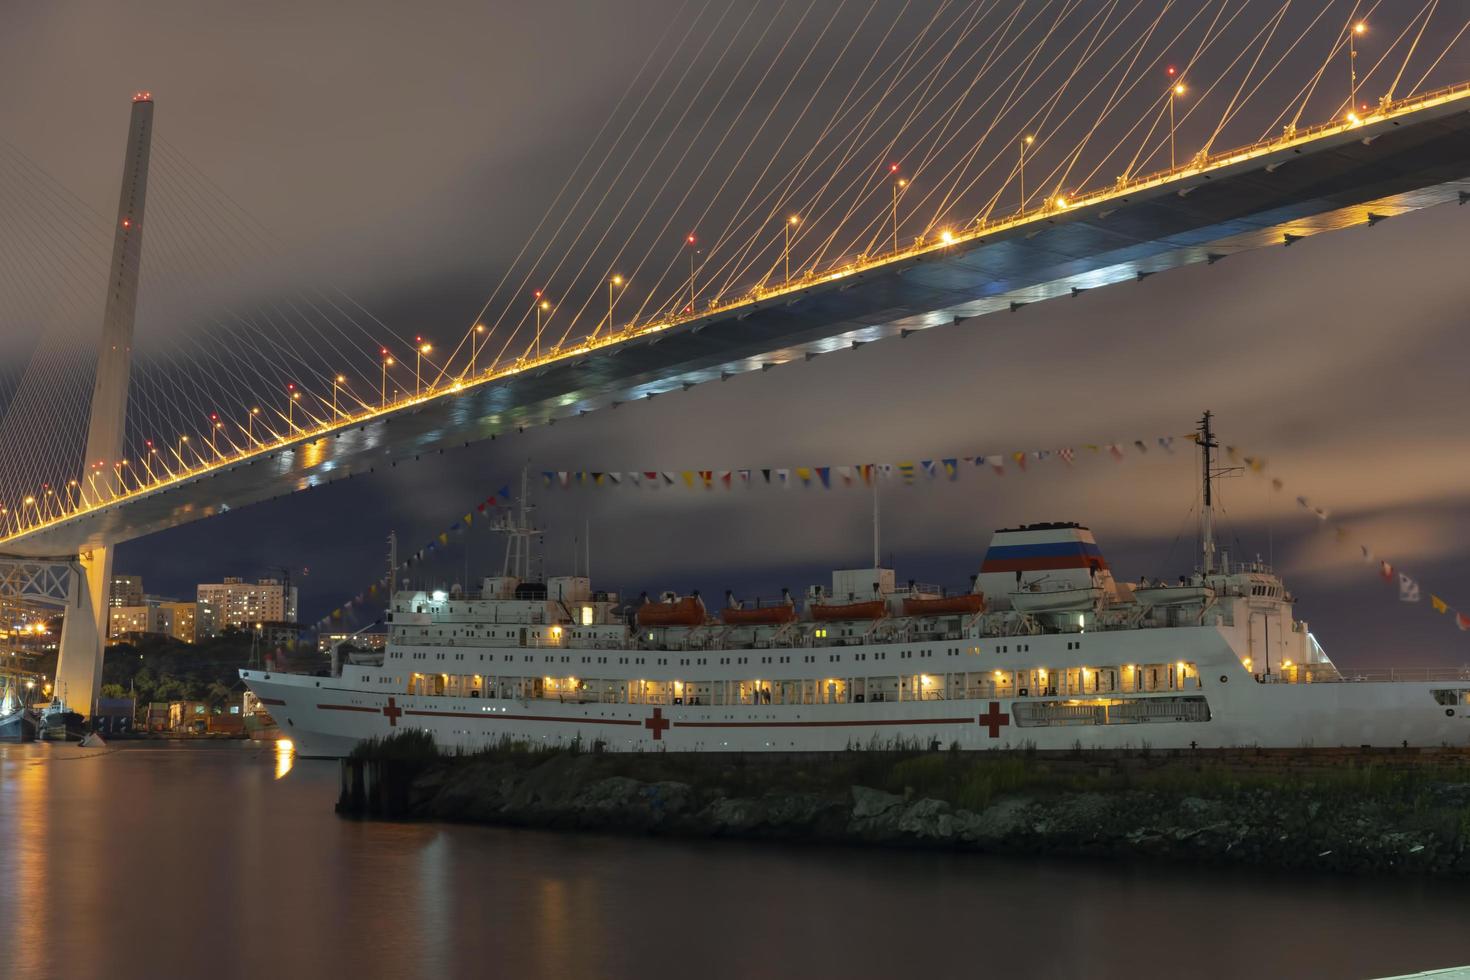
[405,152]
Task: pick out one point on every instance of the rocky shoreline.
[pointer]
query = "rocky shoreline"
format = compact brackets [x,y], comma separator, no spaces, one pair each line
[1344,812]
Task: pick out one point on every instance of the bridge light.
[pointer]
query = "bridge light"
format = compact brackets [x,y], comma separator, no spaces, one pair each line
[1360,27]
[426,348]
[794,220]
[545,305]
[1179,89]
[1061,202]
[1028,140]
[946,236]
[1353,119]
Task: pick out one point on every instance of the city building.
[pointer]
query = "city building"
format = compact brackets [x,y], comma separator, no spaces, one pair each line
[127,590]
[182,618]
[240,604]
[361,641]
[146,617]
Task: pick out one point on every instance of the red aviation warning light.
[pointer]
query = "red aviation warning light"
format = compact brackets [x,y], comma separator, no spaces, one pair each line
[690,239]
[1170,71]
[127,222]
[142,96]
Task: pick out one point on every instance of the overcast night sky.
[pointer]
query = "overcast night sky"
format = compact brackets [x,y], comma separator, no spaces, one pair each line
[406,152]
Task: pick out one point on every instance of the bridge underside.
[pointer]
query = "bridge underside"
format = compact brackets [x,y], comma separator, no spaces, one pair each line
[1381,169]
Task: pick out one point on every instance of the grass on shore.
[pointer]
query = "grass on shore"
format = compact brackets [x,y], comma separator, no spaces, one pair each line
[971,780]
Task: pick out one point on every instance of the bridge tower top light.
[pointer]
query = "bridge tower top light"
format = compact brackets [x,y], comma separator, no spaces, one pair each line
[142,96]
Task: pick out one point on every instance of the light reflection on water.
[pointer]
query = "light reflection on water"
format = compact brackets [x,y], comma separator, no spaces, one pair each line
[285,756]
[226,860]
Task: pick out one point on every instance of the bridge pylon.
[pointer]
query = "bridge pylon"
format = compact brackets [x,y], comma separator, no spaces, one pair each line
[84,628]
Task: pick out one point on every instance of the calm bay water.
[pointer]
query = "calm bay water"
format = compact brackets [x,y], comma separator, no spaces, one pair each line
[223,860]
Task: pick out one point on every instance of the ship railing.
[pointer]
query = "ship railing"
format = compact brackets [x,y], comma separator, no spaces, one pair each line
[1329,674]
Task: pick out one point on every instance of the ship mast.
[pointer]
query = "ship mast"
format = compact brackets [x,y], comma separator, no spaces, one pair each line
[1207,445]
[519,532]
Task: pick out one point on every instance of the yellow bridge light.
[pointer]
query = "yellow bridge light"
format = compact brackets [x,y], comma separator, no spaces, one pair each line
[1179,89]
[946,236]
[1360,27]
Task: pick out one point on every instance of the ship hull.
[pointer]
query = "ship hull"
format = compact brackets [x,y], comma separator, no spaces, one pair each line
[328,721]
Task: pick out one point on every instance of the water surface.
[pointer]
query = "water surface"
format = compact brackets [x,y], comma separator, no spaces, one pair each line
[215,860]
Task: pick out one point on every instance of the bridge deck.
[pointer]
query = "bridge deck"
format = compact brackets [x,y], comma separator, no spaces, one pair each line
[1412,157]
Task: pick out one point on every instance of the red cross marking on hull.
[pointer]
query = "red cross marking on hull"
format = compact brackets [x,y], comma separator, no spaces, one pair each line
[392,711]
[658,724]
[995,719]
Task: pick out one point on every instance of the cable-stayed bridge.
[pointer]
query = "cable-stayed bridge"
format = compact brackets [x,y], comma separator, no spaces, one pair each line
[271,428]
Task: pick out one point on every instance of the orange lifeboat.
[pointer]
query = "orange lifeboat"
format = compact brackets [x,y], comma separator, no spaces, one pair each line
[688,611]
[759,615]
[965,605]
[828,611]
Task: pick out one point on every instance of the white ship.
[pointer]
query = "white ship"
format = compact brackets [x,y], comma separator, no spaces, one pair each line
[1046,650]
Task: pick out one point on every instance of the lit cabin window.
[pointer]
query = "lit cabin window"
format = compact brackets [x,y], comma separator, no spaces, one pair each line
[586,615]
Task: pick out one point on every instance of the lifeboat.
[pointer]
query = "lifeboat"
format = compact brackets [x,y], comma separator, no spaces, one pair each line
[772,615]
[688,611]
[828,611]
[964,605]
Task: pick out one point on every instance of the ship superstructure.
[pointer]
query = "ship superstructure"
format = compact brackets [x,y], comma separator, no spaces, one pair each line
[1045,648]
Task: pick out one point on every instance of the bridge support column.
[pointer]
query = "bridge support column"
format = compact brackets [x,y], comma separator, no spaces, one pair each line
[84,631]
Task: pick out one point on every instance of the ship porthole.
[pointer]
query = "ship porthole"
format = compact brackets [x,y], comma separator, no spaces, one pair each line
[1224,679]
[1449,712]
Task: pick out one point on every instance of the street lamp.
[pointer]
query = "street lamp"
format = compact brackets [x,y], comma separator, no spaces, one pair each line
[899,184]
[337,382]
[214,427]
[250,425]
[542,306]
[612,284]
[1025,142]
[693,243]
[383,385]
[1175,90]
[1361,27]
[182,463]
[476,339]
[291,406]
[791,223]
[421,347]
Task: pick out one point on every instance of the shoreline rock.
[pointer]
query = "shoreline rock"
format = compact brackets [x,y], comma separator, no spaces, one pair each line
[1370,817]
